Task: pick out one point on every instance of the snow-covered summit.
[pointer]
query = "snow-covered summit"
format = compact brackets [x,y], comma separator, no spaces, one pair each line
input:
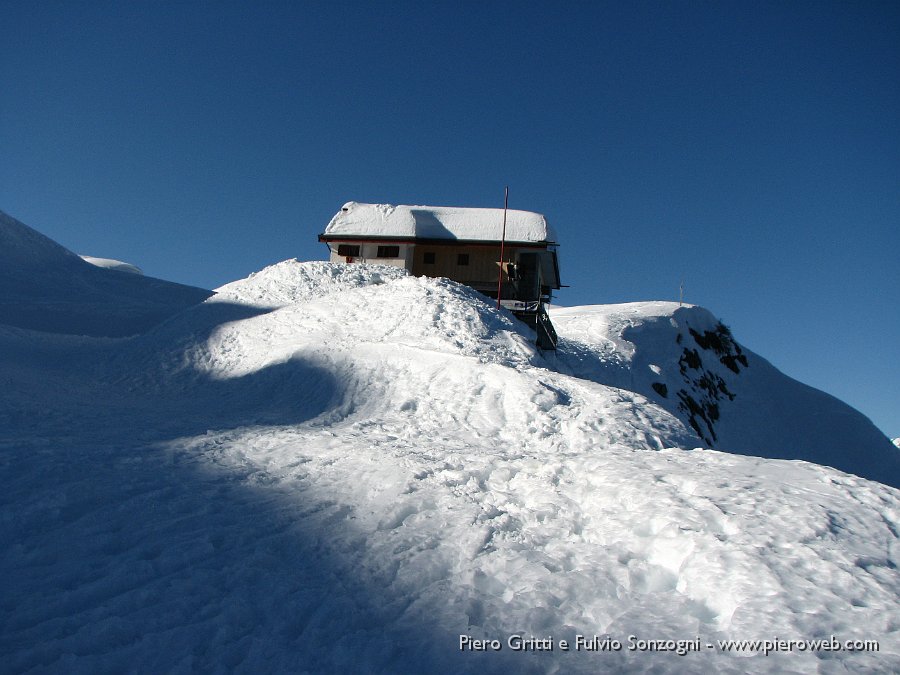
[687,361]
[439,222]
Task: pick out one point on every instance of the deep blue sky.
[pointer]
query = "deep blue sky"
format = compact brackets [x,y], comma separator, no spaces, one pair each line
[752,149]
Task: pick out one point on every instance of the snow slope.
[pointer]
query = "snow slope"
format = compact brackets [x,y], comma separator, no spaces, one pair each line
[335,469]
[44,286]
[686,361]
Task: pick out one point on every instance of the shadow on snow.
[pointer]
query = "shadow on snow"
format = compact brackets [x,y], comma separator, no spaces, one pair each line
[121,556]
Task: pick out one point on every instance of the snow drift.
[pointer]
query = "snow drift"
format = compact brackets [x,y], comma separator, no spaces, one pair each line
[327,468]
[112,264]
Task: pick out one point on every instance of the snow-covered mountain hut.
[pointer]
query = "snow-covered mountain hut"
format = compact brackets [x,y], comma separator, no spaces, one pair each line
[462,244]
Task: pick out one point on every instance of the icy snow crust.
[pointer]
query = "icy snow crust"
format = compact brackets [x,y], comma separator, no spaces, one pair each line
[439,222]
[342,469]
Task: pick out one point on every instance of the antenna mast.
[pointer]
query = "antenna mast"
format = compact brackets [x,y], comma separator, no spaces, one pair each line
[502,243]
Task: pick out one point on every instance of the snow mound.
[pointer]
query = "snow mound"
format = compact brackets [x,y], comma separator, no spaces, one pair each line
[687,361]
[293,281]
[405,344]
[46,287]
[110,264]
[420,313]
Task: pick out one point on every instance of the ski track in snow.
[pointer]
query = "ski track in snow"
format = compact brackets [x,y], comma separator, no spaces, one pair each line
[368,465]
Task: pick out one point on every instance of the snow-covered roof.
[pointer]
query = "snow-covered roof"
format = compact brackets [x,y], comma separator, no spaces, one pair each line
[438,222]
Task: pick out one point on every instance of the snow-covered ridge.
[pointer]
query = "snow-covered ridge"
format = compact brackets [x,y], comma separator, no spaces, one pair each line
[23,247]
[686,361]
[331,468]
[46,287]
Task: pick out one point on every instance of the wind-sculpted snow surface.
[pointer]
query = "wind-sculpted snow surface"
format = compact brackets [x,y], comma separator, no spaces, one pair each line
[112,264]
[341,469]
[292,281]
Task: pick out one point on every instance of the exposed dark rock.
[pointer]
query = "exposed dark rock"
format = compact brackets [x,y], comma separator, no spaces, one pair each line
[690,359]
[705,410]
[721,342]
